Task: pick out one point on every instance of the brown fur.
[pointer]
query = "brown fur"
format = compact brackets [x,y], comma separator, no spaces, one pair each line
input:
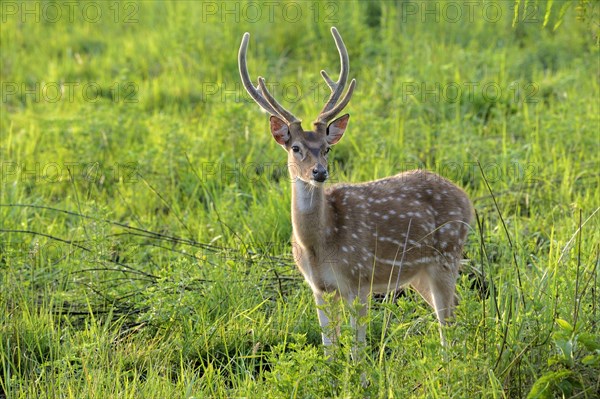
[380,234]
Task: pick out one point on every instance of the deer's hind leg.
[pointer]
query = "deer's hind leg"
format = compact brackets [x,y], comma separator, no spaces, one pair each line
[422,286]
[358,326]
[438,287]
[443,292]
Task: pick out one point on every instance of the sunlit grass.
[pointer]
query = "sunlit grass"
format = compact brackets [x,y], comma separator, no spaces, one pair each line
[145,224]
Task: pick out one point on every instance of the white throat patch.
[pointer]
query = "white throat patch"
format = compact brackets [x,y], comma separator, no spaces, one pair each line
[306,196]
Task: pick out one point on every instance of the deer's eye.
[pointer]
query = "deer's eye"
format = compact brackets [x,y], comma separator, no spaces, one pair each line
[295,148]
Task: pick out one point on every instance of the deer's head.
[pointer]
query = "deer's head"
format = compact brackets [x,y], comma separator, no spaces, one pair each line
[307,149]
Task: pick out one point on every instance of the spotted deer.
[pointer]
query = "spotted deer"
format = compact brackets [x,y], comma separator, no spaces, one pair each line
[357,239]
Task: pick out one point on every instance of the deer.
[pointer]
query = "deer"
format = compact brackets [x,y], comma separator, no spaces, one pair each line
[354,240]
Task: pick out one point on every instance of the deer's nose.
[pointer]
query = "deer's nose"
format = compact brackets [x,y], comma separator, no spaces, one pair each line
[319,173]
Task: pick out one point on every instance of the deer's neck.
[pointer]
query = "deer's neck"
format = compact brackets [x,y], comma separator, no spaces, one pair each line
[310,215]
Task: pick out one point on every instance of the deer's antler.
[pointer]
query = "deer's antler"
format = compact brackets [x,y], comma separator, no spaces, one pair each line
[260,94]
[332,107]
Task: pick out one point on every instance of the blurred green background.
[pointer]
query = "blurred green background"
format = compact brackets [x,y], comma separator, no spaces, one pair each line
[144,210]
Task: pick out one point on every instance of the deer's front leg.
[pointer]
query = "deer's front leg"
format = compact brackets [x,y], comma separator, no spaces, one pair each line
[327,335]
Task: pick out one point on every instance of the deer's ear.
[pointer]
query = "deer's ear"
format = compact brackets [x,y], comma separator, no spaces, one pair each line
[279,130]
[336,129]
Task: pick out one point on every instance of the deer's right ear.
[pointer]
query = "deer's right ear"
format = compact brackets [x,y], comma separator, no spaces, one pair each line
[279,130]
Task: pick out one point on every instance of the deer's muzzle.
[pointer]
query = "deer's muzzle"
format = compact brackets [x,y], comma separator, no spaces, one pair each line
[319,173]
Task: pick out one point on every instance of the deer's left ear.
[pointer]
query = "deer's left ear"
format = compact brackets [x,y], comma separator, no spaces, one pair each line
[336,129]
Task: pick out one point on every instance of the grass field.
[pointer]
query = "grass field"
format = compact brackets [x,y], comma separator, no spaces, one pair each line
[144,212]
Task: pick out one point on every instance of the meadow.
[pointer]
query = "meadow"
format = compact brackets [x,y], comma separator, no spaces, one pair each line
[145,208]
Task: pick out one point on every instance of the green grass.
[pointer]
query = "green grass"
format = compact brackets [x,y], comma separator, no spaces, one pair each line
[144,214]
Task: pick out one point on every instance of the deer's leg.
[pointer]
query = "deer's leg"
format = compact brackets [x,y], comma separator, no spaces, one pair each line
[443,292]
[422,286]
[358,312]
[328,337]
[358,327]
[437,287]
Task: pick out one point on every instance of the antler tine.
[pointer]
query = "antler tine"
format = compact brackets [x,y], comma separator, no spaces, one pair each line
[330,109]
[259,92]
[287,116]
[327,116]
